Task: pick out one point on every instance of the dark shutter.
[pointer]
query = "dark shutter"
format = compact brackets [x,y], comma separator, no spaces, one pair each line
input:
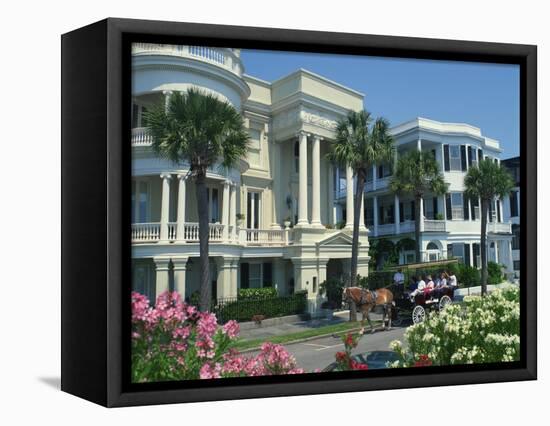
[463,157]
[448,207]
[476,254]
[433,153]
[467,254]
[473,202]
[380,172]
[466,207]
[401,213]
[479,155]
[498,211]
[381,215]
[491,209]
[267,275]
[434,201]
[469,156]
[424,208]
[244,275]
[413,211]
[514,204]
[447,160]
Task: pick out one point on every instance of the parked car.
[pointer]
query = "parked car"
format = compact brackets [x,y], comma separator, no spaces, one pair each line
[374,359]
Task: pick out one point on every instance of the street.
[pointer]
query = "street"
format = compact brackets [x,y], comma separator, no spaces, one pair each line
[319,353]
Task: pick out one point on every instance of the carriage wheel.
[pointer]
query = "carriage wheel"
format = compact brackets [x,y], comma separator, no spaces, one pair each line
[444,301]
[418,314]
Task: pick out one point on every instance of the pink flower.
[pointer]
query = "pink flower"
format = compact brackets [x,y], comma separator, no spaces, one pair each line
[231,329]
[208,371]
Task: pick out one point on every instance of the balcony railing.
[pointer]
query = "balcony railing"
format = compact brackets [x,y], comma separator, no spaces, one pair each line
[435,225]
[221,57]
[386,229]
[499,227]
[140,137]
[151,233]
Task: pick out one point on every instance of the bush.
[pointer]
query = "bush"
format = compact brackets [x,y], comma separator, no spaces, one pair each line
[485,331]
[333,288]
[257,293]
[468,276]
[376,280]
[245,309]
[173,341]
[494,273]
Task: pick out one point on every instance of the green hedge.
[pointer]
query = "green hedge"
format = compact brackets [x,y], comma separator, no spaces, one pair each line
[244,309]
[257,293]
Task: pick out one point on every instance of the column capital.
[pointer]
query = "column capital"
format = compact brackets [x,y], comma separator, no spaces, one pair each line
[317,137]
[302,133]
[181,176]
[165,175]
[167,92]
[161,263]
[180,263]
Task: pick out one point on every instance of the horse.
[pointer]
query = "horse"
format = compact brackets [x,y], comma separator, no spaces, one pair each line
[366,300]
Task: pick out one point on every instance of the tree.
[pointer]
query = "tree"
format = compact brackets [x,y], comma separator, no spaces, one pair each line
[417,173]
[360,144]
[200,130]
[486,182]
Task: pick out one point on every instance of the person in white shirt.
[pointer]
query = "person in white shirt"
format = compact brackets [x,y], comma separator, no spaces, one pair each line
[419,289]
[452,280]
[399,280]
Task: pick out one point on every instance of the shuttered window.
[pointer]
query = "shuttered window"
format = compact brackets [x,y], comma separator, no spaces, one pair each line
[446,158]
[448,207]
[463,164]
[467,260]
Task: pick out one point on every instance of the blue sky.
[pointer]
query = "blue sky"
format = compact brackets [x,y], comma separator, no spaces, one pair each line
[483,95]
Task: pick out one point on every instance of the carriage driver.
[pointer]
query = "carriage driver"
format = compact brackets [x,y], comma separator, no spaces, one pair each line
[399,280]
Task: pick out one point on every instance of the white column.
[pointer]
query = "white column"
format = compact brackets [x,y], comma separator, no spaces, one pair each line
[316,182]
[225,286]
[419,144]
[225,210]
[396,214]
[165,206]
[362,213]
[375,214]
[302,203]
[180,230]
[167,94]
[233,213]
[330,216]
[162,265]
[180,270]
[422,215]
[349,197]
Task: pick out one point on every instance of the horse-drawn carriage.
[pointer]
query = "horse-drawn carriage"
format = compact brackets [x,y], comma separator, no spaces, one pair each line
[419,305]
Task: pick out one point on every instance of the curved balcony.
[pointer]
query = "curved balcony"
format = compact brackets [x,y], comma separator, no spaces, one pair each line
[222,57]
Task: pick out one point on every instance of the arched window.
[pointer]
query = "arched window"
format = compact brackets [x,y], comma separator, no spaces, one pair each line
[432,246]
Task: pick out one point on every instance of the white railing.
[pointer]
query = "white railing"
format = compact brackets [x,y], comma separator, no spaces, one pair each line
[500,228]
[140,137]
[145,232]
[264,236]
[172,231]
[435,225]
[458,213]
[216,231]
[386,229]
[191,232]
[222,57]
[406,226]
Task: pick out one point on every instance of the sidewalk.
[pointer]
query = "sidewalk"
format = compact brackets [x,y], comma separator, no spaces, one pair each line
[476,291]
[264,332]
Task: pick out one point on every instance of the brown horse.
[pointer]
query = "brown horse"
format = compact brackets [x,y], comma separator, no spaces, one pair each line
[366,300]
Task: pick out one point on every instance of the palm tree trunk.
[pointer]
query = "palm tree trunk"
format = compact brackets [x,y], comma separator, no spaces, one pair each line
[483,246]
[355,238]
[202,204]
[417,218]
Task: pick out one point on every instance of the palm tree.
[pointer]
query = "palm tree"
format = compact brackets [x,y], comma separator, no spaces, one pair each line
[417,173]
[360,144]
[200,130]
[486,182]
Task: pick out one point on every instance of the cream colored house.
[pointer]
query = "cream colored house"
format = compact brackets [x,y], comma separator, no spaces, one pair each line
[286,176]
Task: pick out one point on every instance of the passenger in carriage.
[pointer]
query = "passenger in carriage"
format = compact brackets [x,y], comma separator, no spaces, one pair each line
[429,285]
[420,286]
[452,281]
[441,284]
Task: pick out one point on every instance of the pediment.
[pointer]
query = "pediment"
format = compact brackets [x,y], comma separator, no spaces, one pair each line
[338,239]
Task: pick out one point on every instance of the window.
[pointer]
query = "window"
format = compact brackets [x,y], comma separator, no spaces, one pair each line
[454,152]
[514,204]
[213,205]
[457,206]
[255,275]
[472,156]
[143,279]
[515,237]
[253,210]
[296,157]
[140,205]
[516,265]
[432,246]
[458,251]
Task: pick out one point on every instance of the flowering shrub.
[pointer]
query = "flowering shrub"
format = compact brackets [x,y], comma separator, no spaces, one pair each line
[344,359]
[485,329]
[174,341]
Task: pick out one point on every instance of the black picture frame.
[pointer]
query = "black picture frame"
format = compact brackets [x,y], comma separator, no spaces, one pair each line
[95,179]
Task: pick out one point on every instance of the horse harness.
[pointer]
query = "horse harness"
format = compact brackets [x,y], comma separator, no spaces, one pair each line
[364,293]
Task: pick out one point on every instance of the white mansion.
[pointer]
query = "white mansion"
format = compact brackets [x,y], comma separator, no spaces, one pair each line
[286,177]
